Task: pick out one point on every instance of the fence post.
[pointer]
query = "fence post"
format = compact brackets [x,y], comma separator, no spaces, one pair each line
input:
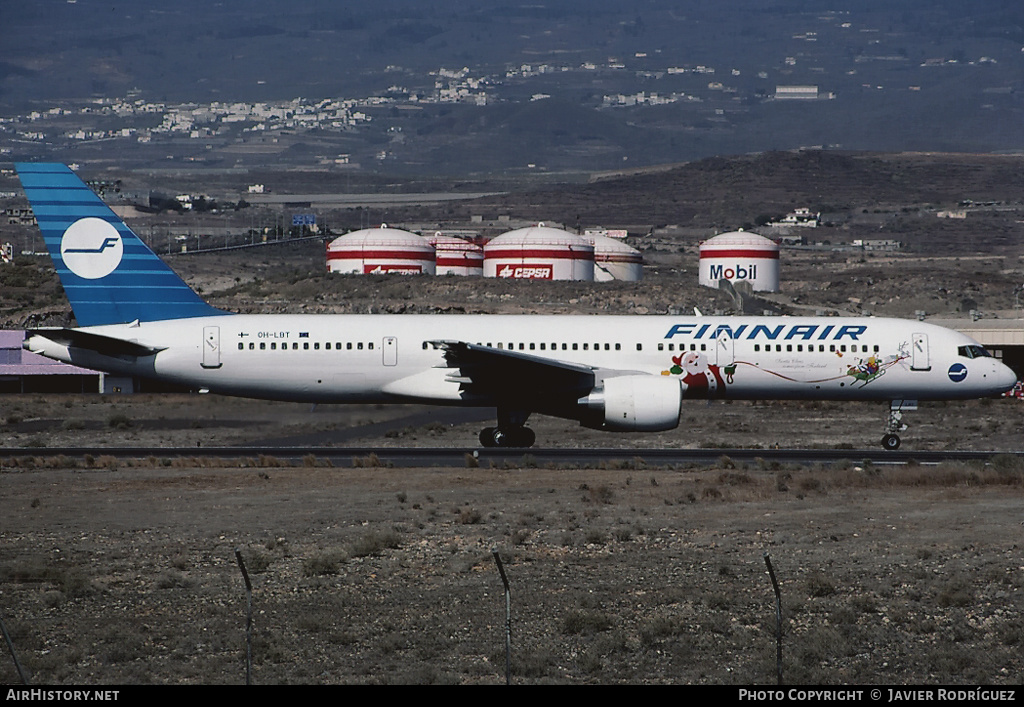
[14,656]
[248,618]
[778,619]
[508,619]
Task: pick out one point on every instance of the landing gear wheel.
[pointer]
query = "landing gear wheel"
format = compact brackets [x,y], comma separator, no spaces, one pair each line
[891,442]
[525,437]
[507,437]
[487,437]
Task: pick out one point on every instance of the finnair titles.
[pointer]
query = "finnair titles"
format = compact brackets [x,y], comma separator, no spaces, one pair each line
[783,332]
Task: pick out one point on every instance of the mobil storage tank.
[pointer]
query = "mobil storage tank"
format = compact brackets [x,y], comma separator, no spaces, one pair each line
[456,256]
[739,256]
[380,250]
[614,260]
[539,253]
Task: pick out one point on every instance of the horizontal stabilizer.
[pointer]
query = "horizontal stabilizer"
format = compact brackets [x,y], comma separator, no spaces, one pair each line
[103,345]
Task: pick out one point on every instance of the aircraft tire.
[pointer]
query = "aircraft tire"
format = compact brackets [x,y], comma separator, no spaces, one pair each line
[508,437]
[525,437]
[487,437]
[891,442]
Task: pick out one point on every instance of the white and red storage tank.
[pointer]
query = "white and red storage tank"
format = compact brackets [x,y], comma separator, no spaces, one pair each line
[739,256]
[380,250]
[539,253]
[456,256]
[614,260]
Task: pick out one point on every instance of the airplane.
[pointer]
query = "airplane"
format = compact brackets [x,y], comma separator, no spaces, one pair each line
[135,317]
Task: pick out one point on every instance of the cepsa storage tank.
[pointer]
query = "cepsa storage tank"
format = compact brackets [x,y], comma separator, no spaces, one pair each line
[614,260]
[739,256]
[456,256]
[539,253]
[380,250]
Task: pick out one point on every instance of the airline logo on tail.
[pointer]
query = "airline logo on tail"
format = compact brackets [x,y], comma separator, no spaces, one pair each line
[91,248]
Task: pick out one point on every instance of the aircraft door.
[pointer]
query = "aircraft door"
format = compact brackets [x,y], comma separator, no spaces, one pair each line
[390,349]
[919,358]
[211,347]
[725,348]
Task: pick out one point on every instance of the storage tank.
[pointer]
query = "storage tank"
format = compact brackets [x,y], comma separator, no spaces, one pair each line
[380,250]
[456,256]
[539,253]
[614,260]
[739,256]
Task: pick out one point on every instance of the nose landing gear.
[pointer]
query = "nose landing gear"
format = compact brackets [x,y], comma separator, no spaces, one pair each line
[895,424]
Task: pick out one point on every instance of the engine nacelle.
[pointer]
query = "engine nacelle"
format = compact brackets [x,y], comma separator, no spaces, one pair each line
[635,404]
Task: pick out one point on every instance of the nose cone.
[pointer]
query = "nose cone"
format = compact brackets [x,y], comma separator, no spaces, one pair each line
[1004,377]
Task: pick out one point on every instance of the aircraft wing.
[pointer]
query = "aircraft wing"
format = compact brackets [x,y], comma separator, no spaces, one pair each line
[513,376]
[104,345]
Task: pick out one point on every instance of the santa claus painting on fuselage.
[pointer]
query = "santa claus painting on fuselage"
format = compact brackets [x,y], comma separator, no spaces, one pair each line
[701,378]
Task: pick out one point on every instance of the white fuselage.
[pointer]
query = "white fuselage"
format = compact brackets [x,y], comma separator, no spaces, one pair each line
[390,358]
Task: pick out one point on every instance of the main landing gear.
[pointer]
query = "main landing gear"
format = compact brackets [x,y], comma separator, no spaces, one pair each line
[510,432]
[891,440]
[507,437]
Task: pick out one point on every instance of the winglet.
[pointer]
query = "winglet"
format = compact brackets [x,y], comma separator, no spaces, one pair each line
[109,275]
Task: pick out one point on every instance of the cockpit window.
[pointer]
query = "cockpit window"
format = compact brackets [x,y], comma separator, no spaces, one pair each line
[974,352]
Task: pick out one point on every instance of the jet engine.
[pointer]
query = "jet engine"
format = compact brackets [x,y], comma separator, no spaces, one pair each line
[634,404]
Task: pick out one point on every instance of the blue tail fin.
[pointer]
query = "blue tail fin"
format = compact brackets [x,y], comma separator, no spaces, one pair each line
[109,275]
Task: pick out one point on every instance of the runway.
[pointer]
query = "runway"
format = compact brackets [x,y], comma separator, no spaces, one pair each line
[413,457]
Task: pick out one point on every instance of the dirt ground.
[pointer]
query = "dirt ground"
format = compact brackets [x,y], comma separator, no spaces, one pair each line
[116,572]
[126,575]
